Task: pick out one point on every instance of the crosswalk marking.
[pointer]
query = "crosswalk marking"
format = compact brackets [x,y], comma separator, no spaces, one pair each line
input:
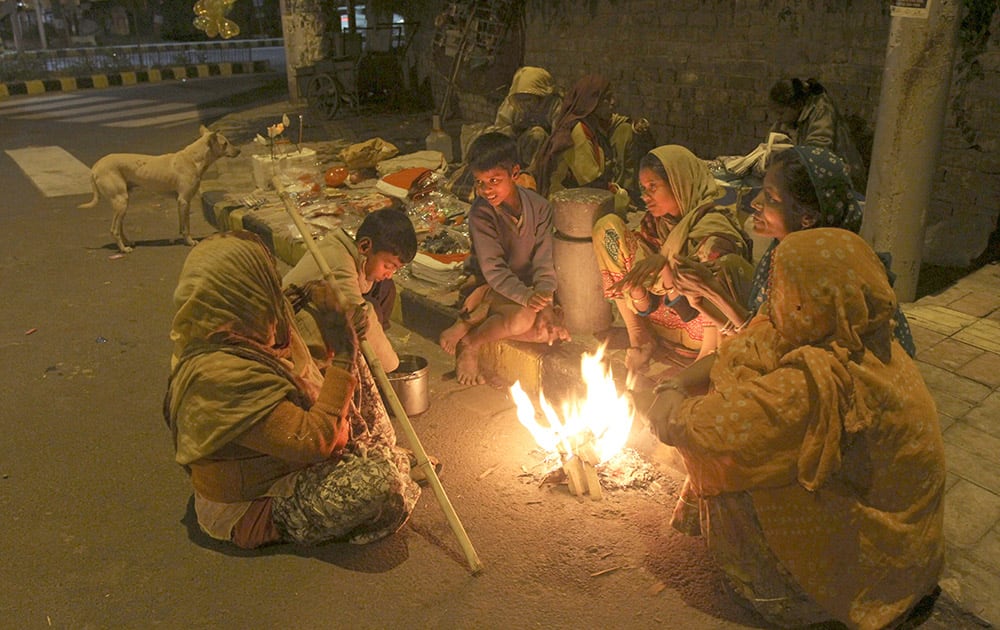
[106,111]
[100,107]
[46,105]
[152,109]
[54,171]
[168,118]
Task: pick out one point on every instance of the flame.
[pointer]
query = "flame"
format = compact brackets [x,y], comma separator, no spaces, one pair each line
[594,427]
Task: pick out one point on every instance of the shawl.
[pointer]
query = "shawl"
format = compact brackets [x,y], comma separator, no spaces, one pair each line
[696,191]
[237,351]
[579,104]
[532,80]
[822,417]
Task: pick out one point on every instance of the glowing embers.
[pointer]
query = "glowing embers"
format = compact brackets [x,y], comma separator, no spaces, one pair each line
[588,430]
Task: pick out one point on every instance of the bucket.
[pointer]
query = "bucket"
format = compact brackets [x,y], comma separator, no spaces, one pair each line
[409,381]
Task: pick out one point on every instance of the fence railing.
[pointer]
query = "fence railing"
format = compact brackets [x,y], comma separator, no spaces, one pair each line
[38,64]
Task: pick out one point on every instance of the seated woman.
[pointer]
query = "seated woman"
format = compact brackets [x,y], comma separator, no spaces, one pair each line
[529,112]
[276,450]
[806,114]
[816,458]
[590,146]
[681,220]
[804,187]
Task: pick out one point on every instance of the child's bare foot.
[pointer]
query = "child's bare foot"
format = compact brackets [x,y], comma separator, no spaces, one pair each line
[452,335]
[467,365]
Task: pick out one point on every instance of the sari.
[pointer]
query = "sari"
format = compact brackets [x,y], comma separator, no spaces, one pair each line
[817,456]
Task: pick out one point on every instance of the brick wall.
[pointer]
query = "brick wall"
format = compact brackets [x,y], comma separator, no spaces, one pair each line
[700,70]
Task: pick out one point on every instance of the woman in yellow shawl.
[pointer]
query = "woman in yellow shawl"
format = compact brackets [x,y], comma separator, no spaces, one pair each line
[817,456]
[681,219]
[276,450]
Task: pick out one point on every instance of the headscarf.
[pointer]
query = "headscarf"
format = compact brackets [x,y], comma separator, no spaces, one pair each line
[694,188]
[228,370]
[532,80]
[580,103]
[837,200]
[838,203]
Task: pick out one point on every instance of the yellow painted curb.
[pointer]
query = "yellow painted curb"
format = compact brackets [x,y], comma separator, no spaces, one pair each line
[4,92]
[128,78]
[202,70]
[67,84]
[225,69]
[100,80]
[155,76]
[34,87]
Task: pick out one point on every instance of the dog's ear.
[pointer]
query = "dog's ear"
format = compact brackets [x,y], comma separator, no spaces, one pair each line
[203,130]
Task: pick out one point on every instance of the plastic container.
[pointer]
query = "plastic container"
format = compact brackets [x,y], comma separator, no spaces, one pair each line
[439,140]
[409,381]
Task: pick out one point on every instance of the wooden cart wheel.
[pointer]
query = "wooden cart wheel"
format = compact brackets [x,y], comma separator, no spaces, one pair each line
[324,93]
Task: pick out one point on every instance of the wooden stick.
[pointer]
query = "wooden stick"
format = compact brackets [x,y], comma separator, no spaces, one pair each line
[386,387]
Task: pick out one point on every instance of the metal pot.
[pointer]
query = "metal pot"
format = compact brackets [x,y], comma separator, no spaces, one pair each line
[409,381]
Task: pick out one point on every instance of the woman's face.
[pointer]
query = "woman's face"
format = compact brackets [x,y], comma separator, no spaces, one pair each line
[769,206]
[657,194]
[605,106]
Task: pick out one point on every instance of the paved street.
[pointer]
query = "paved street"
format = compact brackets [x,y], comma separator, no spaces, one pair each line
[100,531]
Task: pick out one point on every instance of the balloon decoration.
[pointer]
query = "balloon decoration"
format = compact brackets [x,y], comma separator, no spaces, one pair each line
[212,18]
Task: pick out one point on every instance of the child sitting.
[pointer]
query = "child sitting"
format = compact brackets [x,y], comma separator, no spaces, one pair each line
[362,268]
[511,231]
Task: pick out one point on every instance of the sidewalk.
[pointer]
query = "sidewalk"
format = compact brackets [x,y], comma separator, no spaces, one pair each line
[957,333]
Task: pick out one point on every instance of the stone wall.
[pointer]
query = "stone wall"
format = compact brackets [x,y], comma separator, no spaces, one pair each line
[700,70]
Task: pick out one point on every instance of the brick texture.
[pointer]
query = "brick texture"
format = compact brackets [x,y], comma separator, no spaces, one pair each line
[700,70]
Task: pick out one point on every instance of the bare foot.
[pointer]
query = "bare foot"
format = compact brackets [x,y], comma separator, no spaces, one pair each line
[452,335]
[467,365]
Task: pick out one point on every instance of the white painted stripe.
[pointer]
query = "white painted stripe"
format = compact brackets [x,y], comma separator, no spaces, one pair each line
[53,170]
[48,105]
[142,111]
[168,118]
[18,101]
[66,114]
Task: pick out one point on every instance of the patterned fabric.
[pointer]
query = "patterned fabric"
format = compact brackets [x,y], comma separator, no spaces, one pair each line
[824,420]
[828,173]
[363,496]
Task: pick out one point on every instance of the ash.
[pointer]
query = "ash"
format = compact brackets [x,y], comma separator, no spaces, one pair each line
[625,471]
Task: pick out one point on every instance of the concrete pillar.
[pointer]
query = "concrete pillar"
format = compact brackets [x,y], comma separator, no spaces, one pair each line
[908,131]
[303,27]
[580,292]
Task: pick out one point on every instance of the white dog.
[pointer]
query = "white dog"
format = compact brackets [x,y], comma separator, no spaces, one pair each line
[114,174]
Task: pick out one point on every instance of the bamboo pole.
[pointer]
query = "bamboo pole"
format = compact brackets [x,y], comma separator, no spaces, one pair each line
[386,387]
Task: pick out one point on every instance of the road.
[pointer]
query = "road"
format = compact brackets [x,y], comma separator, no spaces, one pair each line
[98,528]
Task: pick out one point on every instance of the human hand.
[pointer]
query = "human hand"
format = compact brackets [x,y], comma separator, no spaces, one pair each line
[661,412]
[539,300]
[694,278]
[643,273]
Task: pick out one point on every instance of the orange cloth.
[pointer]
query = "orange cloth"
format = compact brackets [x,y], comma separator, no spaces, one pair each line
[822,417]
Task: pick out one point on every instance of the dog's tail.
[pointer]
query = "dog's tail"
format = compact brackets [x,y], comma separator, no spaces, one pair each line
[97,195]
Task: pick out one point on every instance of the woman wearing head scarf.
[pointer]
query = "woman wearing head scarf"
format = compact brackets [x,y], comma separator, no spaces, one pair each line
[276,450]
[529,112]
[816,458]
[681,220]
[804,187]
[590,146]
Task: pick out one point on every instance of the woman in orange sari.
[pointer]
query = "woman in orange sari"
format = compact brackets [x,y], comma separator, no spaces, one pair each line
[816,457]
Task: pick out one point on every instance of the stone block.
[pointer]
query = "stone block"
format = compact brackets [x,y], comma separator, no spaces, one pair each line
[969,513]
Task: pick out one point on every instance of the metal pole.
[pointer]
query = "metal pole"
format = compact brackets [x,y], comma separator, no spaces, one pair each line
[908,131]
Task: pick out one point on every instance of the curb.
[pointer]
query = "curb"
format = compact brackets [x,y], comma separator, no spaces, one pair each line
[155,75]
